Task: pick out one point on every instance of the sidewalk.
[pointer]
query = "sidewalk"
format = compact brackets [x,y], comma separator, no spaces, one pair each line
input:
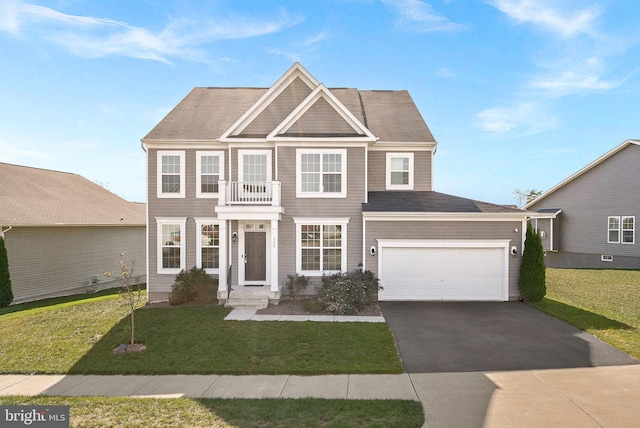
[580,397]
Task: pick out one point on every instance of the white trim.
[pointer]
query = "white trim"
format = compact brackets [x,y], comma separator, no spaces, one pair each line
[182,174]
[411,171]
[199,155]
[182,223]
[321,193]
[450,243]
[321,91]
[201,221]
[324,221]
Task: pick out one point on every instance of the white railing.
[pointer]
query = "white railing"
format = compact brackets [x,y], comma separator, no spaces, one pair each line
[249,193]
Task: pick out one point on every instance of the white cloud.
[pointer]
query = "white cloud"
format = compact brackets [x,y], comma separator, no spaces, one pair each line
[527,118]
[92,37]
[538,12]
[416,15]
[584,76]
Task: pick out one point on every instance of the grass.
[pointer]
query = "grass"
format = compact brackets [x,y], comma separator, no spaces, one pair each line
[605,303]
[79,336]
[184,412]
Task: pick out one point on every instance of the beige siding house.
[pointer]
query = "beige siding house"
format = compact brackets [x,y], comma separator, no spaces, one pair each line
[254,184]
[590,219]
[61,230]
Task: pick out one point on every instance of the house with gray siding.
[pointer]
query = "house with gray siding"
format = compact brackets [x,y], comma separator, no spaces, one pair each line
[254,184]
[61,231]
[589,219]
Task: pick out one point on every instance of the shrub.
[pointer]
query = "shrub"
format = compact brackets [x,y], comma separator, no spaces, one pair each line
[296,284]
[340,292]
[6,295]
[532,269]
[193,286]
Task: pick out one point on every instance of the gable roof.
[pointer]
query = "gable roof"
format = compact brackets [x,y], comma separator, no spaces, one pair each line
[41,197]
[429,202]
[587,168]
[296,106]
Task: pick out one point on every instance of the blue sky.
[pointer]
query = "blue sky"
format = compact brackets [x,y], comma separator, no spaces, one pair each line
[518,93]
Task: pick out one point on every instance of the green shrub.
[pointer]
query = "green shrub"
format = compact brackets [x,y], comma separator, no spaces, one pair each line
[532,283]
[340,292]
[296,284]
[6,295]
[193,286]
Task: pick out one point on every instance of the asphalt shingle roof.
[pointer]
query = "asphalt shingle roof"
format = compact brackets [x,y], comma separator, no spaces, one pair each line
[40,197]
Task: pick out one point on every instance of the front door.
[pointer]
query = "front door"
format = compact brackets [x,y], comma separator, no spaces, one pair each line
[255,260]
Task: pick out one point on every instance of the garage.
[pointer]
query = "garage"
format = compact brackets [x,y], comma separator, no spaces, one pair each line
[451,270]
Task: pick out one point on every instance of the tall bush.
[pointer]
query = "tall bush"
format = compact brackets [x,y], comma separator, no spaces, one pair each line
[532,283]
[6,295]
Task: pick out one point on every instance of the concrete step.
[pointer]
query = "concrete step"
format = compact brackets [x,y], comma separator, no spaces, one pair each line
[246,302]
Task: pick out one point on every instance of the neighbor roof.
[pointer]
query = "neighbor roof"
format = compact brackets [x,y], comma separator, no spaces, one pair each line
[41,197]
[429,202]
[206,113]
[583,171]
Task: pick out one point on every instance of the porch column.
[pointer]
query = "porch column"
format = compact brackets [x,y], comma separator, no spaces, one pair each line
[222,262]
[275,286]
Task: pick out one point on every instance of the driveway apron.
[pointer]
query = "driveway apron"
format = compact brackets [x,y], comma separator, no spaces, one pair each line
[439,337]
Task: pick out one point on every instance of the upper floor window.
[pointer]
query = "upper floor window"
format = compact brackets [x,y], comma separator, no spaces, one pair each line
[621,229]
[171,172]
[210,170]
[321,173]
[400,171]
[171,245]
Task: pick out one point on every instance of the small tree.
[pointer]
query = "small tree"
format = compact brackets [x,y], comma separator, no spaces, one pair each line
[130,292]
[6,295]
[532,269]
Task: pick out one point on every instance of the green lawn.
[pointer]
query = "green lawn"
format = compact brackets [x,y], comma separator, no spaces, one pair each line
[605,303]
[185,412]
[78,337]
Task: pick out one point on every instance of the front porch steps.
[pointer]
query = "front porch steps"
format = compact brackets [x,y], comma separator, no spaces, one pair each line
[247,299]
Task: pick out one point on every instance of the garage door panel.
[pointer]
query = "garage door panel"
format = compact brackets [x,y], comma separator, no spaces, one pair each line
[457,273]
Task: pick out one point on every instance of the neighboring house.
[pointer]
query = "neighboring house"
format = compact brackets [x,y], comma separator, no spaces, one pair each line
[61,230]
[589,219]
[254,184]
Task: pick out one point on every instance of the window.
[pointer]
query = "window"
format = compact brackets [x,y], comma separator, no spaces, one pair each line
[321,245]
[210,171]
[208,242]
[400,171]
[171,245]
[171,174]
[621,229]
[321,173]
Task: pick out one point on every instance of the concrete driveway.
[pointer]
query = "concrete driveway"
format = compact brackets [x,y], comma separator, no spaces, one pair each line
[435,337]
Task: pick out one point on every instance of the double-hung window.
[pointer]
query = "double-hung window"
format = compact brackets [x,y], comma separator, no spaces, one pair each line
[621,229]
[171,173]
[321,173]
[210,170]
[400,171]
[171,245]
[208,245]
[321,245]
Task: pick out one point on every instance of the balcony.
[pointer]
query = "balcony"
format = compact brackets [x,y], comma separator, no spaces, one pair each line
[249,193]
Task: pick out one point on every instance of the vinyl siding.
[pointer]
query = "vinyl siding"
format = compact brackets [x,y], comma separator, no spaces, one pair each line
[447,230]
[608,189]
[55,261]
[378,170]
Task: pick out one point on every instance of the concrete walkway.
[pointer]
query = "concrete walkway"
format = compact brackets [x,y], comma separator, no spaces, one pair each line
[579,397]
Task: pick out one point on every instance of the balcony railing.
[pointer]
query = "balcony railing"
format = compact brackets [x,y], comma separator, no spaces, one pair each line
[249,193]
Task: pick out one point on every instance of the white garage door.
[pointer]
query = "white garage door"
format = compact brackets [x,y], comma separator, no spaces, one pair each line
[443,272]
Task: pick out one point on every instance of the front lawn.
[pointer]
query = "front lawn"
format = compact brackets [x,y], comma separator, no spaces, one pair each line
[605,303]
[79,337]
[186,412]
